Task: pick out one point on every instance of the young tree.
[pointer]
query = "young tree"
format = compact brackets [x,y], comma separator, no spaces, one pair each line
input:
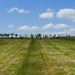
[12,34]
[16,35]
[46,36]
[39,36]
[3,35]
[58,36]
[26,36]
[8,35]
[0,35]
[50,35]
[32,36]
[54,36]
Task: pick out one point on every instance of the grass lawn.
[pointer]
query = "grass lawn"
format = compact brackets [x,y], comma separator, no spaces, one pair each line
[37,57]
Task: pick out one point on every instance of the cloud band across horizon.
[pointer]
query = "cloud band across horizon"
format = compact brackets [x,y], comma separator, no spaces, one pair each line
[47,26]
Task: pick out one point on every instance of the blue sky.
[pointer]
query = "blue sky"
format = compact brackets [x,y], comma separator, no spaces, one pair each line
[37,16]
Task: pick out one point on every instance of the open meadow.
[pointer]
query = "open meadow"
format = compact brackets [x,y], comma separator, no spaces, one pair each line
[37,56]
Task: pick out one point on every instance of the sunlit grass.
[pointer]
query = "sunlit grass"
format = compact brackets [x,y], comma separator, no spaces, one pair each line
[37,57]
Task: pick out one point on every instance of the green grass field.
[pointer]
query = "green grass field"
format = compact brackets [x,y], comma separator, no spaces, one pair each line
[37,57]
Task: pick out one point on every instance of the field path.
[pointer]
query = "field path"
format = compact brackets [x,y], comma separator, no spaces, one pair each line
[34,63]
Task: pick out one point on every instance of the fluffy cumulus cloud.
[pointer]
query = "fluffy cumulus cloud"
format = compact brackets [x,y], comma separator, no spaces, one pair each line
[18,10]
[50,25]
[66,13]
[47,14]
[35,28]
[24,28]
[61,26]
[11,26]
[28,28]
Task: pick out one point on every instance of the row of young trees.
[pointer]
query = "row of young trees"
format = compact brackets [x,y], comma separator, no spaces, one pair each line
[12,35]
[9,35]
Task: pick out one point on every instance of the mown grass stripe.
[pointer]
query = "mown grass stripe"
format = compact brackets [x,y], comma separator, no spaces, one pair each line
[33,63]
[59,62]
[13,57]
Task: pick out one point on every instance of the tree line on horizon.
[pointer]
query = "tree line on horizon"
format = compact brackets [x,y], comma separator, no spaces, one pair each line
[37,35]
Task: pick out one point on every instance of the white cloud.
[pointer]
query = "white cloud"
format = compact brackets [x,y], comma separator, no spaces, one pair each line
[47,26]
[72,30]
[29,28]
[23,11]
[66,13]
[61,26]
[50,25]
[57,33]
[48,14]
[11,26]
[35,28]
[24,28]
[64,32]
[18,10]
[48,9]
[13,9]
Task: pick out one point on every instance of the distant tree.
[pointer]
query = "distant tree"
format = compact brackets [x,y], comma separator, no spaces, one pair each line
[43,35]
[20,36]
[39,36]
[46,36]
[36,35]
[12,34]
[0,35]
[66,34]
[3,35]
[32,36]
[16,35]
[54,36]
[58,36]
[8,35]
[26,36]
[62,35]
[50,35]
